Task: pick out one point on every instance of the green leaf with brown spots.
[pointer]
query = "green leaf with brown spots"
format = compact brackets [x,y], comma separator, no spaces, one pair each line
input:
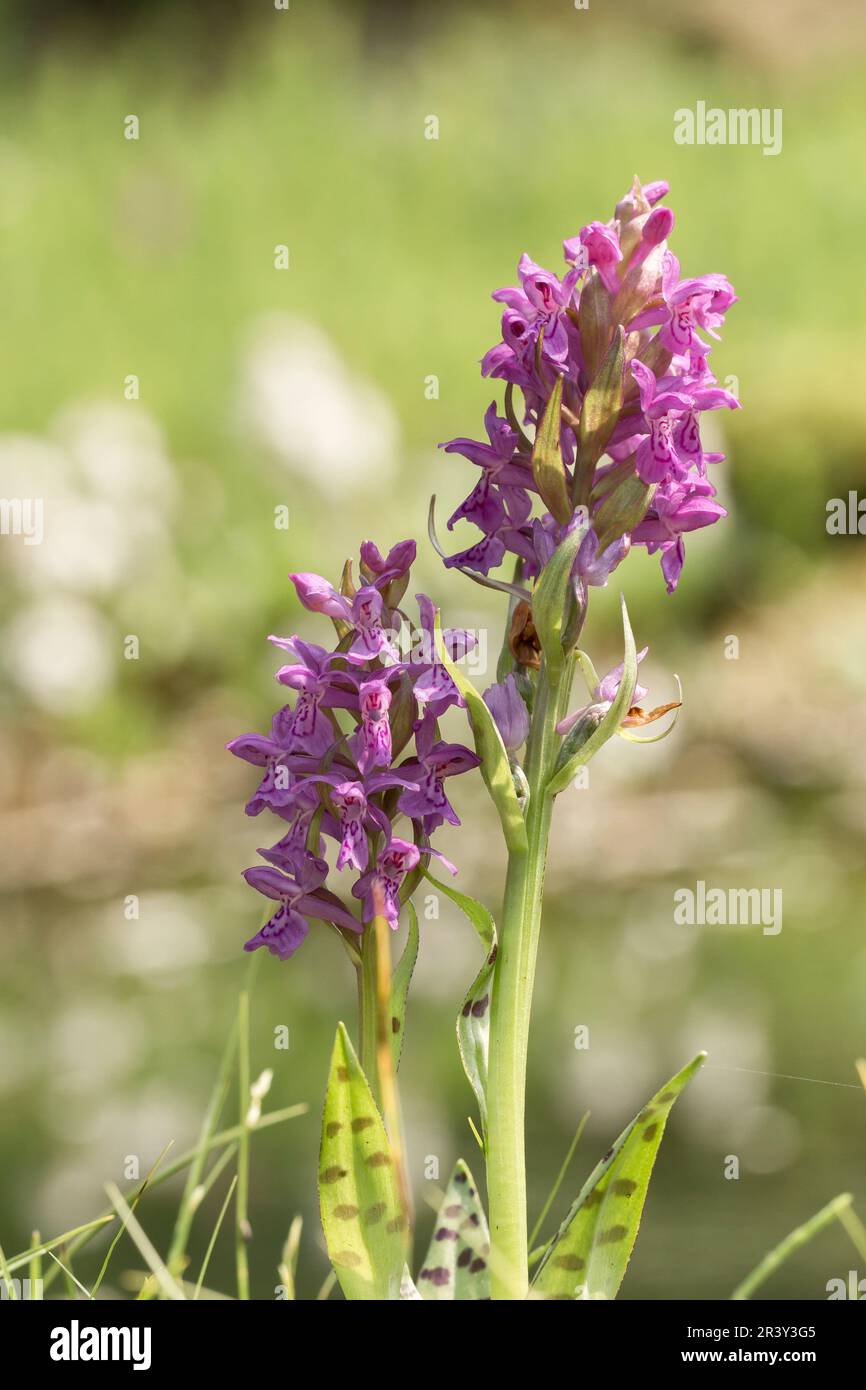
[589,1254]
[363,1218]
[400,981]
[473,1021]
[455,1267]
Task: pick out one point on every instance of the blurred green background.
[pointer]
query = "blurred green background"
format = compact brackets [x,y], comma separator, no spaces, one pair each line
[305,387]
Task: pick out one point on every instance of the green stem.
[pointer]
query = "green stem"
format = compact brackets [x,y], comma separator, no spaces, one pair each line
[512,1002]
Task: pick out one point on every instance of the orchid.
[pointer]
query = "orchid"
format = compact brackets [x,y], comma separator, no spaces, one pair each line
[604,455]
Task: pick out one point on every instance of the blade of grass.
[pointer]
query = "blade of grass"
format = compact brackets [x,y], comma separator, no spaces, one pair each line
[855,1229]
[34,1267]
[542,1215]
[6,1276]
[213,1173]
[82,1234]
[801,1236]
[325,1291]
[187,1208]
[70,1277]
[213,1239]
[242,1225]
[165,1280]
[135,1201]
[90,1228]
[289,1262]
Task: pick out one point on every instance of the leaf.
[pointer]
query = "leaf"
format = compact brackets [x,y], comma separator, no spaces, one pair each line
[550,601]
[602,403]
[837,1210]
[622,510]
[590,1253]
[362,1215]
[473,1021]
[495,767]
[400,981]
[455,1267]
[594,321]
[612,719]
[548,468]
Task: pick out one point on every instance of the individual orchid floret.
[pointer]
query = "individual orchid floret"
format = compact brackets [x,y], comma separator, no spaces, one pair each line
[701,302]
[603,695]
[362,614]
[432,686]
[379,889]
[596,245]
[509,711]
[389,573]
[300,897]
[656,457]
[371,745]
[676,509]
[436,760]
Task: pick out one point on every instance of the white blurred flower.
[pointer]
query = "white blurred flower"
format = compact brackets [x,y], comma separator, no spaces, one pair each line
[303,402]
[59,651]
[118,451]
[104,487]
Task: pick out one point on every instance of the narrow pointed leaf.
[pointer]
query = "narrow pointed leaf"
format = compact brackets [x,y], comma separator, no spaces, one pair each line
[400,981]
[550,601]
[473,1021]
[591,1251]
[612,719]
[548,468]
[495,767]
[362,1215]
[455,1267]
[622,510]
[602,404]
[594,321]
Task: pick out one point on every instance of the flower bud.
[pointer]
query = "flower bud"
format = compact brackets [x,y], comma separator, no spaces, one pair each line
[509,712]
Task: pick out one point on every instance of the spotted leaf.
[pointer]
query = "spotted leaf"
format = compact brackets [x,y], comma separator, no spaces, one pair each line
[455,1266]
[590,1252]
[473,1021]
[363,1218]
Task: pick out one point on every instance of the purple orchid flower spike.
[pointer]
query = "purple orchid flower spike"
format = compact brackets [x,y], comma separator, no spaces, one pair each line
[327,763]
[300,897]
[436,760]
